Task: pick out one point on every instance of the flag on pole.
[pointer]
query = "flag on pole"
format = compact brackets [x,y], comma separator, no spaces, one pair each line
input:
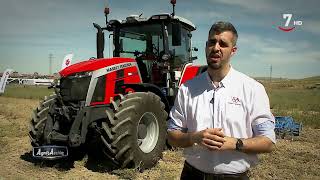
[67,61]
[4,79]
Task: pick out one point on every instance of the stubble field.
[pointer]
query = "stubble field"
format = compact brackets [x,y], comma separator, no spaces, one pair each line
[297,159]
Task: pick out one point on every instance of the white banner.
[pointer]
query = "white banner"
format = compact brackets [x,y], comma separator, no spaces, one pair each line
[67,61]
[4,79]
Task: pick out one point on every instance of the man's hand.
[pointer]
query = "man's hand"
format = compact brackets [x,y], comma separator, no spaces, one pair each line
[229,144]
[212,138]
[259,144]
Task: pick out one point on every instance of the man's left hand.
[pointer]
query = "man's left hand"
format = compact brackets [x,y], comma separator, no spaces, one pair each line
[259,144]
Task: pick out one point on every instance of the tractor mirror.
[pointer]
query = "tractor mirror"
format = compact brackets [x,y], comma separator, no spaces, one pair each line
[176,34]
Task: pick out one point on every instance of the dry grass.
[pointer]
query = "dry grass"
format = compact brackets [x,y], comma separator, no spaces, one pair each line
[298,159]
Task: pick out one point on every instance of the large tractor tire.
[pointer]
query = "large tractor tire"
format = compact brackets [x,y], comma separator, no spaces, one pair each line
[39,119]
[134,134]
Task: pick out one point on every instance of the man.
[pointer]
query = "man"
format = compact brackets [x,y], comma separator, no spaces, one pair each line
[222,117]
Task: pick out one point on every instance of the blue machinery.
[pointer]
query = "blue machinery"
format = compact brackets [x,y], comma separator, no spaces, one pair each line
[285,125]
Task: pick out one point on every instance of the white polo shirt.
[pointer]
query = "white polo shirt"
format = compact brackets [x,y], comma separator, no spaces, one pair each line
[238,106]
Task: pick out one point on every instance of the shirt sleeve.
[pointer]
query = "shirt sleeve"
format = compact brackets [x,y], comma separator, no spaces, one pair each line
[177,117]
[263,122]
[260,107]
[265,129]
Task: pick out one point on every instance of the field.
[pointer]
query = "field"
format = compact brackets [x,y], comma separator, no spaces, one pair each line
[297,98]
[297,159]
[27,92]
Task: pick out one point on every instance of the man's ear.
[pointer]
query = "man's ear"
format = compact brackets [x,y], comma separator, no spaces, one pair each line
[234,50]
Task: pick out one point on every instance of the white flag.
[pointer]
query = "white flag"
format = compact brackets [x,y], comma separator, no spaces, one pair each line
[4,79]
[67,61]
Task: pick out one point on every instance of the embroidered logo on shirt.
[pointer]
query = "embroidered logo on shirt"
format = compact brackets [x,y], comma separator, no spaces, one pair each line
[235,101]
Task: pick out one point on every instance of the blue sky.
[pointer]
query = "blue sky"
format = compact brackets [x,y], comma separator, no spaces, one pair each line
[31,30]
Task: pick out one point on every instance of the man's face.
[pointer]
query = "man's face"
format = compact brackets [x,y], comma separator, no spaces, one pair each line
[219,49]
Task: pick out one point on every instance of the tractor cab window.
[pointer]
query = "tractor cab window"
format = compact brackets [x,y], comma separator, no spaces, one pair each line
[131,44]
[181,53]
[147,41]
[140,40]
[143,43]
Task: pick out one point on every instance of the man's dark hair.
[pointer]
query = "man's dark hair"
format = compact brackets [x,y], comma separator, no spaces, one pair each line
[222,26]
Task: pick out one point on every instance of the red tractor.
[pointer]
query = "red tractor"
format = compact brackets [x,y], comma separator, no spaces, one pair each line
[119,106]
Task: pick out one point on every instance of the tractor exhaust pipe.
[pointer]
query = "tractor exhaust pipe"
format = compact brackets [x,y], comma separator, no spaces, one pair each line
[100,41]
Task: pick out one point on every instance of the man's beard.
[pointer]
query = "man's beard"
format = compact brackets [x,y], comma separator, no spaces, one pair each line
[214,66]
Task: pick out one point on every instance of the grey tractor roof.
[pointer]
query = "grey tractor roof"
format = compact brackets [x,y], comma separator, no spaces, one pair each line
[137,19]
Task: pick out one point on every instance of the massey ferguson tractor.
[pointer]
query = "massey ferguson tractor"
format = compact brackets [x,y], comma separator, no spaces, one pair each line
[119,106]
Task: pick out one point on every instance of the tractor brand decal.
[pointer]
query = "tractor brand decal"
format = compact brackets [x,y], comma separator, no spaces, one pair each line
[117,67]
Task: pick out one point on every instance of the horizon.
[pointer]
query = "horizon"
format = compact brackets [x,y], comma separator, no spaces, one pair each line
[256,78]
[32,30]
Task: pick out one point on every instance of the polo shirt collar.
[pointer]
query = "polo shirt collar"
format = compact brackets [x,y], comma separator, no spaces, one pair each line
[226,81]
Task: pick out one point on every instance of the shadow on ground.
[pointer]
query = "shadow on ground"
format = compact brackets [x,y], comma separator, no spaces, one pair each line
[95,163]
[60,164]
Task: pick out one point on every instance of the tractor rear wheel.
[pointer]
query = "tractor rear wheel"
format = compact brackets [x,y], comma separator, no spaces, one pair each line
[39,119]
[134,134]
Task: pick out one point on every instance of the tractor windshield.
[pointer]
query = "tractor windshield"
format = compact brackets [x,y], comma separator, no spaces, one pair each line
[147,41]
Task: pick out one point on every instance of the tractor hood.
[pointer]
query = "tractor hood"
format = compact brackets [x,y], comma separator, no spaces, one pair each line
[91,65]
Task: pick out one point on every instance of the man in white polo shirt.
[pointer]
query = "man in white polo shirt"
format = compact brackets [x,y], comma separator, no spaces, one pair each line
[222,117]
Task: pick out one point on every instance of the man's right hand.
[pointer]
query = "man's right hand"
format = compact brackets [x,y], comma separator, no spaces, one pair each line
[212,138]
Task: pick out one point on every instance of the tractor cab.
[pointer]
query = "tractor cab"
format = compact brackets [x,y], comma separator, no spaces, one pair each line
[160,44]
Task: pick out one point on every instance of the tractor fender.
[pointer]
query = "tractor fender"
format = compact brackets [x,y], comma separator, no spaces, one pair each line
[190,71]
[145,87]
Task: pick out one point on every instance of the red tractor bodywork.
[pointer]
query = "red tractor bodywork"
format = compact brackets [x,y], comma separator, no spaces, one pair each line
[117,71]
[92,65]
[189,72]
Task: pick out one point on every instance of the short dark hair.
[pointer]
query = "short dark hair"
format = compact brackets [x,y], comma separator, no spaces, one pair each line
[222,26]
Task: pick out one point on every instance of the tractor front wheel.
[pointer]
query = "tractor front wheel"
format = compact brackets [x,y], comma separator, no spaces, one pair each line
[134,134]
[39,119]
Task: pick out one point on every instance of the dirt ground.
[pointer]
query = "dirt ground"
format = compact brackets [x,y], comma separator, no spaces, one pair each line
[297,159]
